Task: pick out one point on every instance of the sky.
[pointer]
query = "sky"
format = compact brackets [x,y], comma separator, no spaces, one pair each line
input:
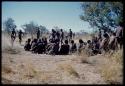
[65,15]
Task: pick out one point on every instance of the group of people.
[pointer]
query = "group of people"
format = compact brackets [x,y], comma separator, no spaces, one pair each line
[55,45]
[59,43]
[106,41]
[13,36]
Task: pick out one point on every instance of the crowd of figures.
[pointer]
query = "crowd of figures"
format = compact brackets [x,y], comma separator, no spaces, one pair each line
[60,44]
[56,44]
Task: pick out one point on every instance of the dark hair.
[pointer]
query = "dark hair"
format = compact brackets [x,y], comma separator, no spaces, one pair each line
[80,41]
[72,41]
[35,40]
[105,35]
[114,34]
[29,39]
[89,41]
[66,41]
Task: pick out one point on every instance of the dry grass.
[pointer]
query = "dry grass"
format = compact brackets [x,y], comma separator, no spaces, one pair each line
[7,69]
[83,56]
[67,68]
[112,69]
[11,50]
[40,76]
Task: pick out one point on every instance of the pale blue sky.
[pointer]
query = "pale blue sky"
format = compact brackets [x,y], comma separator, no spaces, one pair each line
[49,14]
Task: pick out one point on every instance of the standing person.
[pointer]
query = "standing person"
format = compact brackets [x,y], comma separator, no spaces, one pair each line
[70,34]
[113,42]
[104,43]
[20,36]
[38,34]
[61,36]
[119,34]
[13,36]
[53,33]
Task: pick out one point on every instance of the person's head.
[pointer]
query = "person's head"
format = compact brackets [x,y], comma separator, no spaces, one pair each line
[69,29]
[66,41]
[72,41]
[114,34]
[61,30]
[89,41]
[105,35]
[29,40]
[35,40]
[53,30]
[80,41]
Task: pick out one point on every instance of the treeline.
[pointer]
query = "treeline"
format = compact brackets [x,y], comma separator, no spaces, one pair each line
[29,28]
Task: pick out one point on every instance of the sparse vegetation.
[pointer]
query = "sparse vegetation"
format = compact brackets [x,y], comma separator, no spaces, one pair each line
[11,50]
[69,69]
[112,70]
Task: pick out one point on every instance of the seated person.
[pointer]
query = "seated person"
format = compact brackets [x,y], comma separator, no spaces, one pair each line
[34,45]
[40,47]
[73,46]
[64,50]
[96,47]
[113,42]
[81,45]
[27,46]
[104,43]
[56,48]
[89,44]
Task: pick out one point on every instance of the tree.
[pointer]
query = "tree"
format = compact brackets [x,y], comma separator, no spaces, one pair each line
[30,28]
[56,28]
[102,14]
[43,29]
[8,25]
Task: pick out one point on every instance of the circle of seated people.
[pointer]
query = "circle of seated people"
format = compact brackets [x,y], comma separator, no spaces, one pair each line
[107,41]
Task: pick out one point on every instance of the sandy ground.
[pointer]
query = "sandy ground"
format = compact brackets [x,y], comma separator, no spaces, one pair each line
[26,68]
